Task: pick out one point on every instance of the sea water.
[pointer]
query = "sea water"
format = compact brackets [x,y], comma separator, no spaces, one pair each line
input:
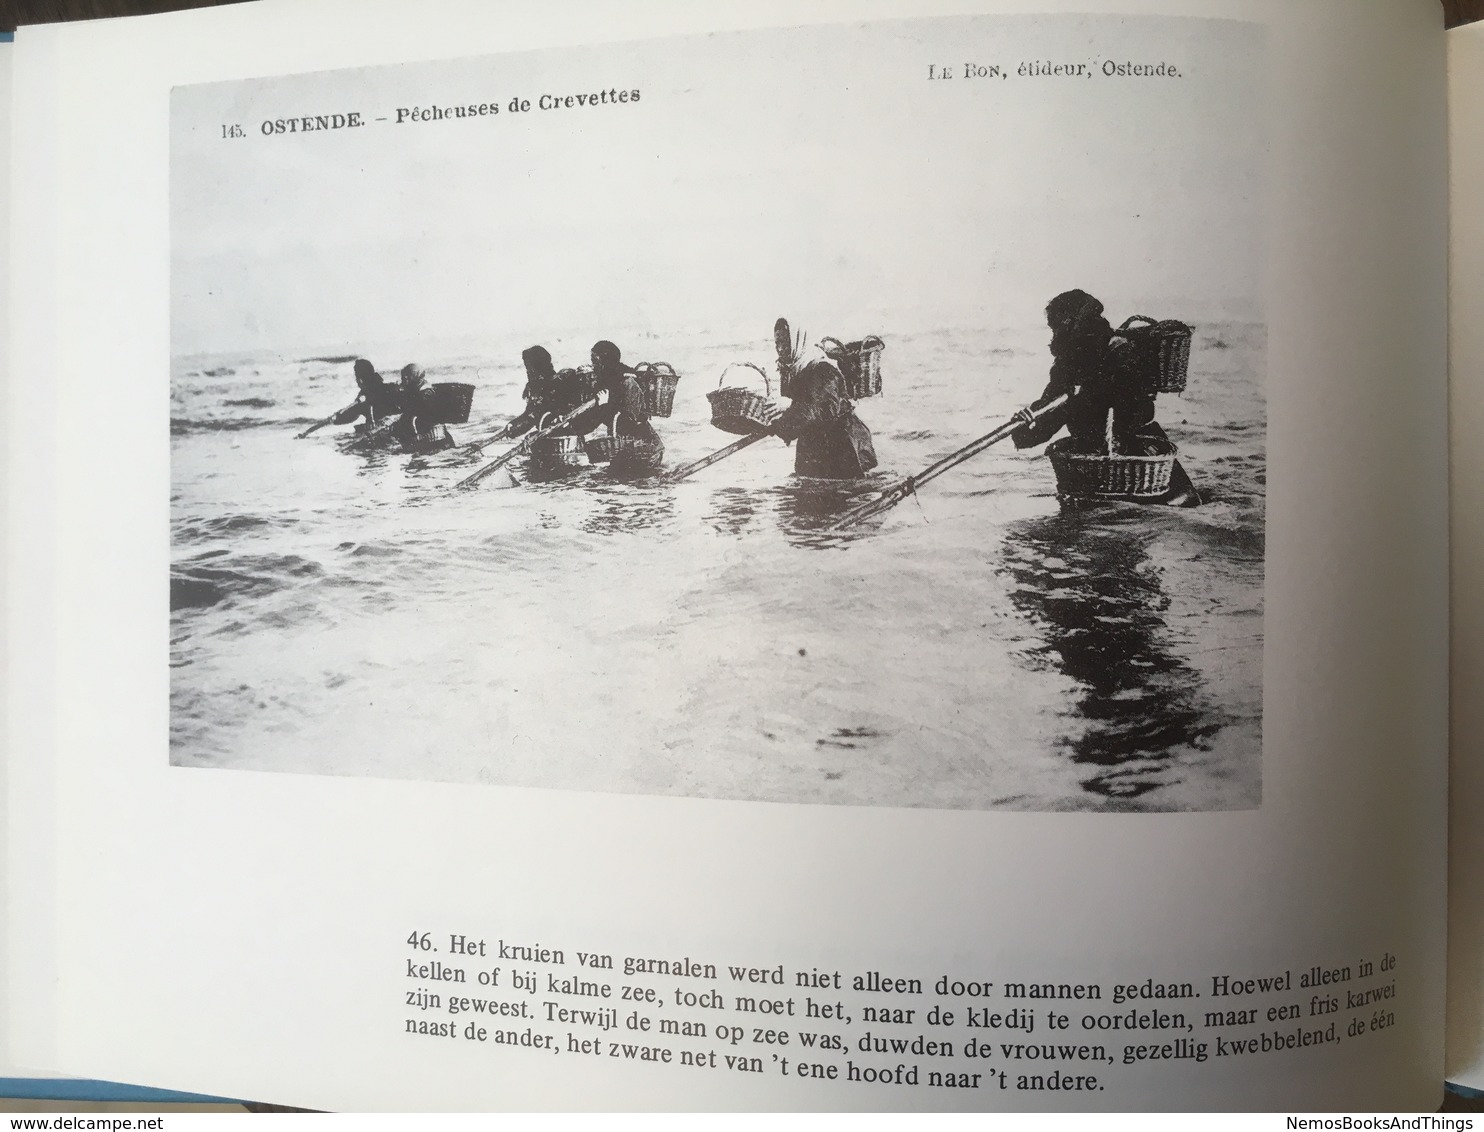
[978,646]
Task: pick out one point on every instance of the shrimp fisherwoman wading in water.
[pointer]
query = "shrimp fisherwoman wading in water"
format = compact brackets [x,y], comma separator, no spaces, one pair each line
[625,412]
[1110,410]
[832,442]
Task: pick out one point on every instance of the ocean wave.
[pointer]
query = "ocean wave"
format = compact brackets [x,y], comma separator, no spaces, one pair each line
[187,426]
[372,549]
[250,402]
[199,584]
[204,529]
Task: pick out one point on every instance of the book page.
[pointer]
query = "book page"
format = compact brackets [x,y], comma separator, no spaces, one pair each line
[386,761]
[1466,415]
[6,47]
[29,864]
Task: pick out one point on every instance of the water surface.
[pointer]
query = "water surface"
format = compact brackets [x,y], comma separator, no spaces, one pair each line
[976,647]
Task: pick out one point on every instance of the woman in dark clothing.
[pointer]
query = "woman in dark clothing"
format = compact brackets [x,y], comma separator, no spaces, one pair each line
[543,392]
[833,442]
[626,411]
[377,401]
[419,405]
[1091,366]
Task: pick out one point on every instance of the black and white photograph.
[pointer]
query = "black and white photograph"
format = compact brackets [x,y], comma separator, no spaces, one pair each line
[869,415]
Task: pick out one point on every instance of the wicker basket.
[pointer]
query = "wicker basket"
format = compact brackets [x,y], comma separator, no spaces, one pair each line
[436,438]
[1099,475]
[1160,357]
[601,449]
[859,362]
[369,438]
[562,449]
[741,411]
[658,381]
[574,386]
[452,401]
[636,457]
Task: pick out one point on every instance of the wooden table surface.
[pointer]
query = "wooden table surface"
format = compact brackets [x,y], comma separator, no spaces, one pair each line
[1462,11]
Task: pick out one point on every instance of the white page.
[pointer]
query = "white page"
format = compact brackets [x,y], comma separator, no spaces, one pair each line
[247,933]
[30,873]
[1466,367]
[8,1067]
[6,47]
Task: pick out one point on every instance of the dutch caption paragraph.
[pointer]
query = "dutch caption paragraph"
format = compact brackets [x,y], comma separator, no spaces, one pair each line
[873,1027]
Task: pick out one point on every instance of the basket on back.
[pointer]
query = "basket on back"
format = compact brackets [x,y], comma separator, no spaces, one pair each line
[859,362]
[742,411]
[1160,354]
[657,380]
[574,386]
[1112,473]
[451,402]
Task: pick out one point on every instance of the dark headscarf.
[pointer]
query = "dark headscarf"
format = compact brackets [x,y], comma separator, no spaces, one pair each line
[607,363]
[1077,323]
[1070,308]
[414,381]
[538,364]
[366,375]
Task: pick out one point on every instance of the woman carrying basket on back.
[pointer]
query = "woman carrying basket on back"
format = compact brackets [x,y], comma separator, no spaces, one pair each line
[833,443]
[419,405]
[626,413]
[1091,364]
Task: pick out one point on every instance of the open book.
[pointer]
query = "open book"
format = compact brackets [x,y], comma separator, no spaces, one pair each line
[372,746]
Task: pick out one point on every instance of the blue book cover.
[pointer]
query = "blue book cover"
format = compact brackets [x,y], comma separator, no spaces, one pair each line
[76,1089]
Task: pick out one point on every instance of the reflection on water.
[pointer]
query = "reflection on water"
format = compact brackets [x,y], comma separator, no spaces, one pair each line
[810,505]
[802,508]
[734,509]
[540,470]
[626,512]
[805,510]
[1097,599]
[807,507]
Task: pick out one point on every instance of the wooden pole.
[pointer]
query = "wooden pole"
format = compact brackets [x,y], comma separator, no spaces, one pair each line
[894,495]
[328,420]
[481,445]
[706,461]
[472,480]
